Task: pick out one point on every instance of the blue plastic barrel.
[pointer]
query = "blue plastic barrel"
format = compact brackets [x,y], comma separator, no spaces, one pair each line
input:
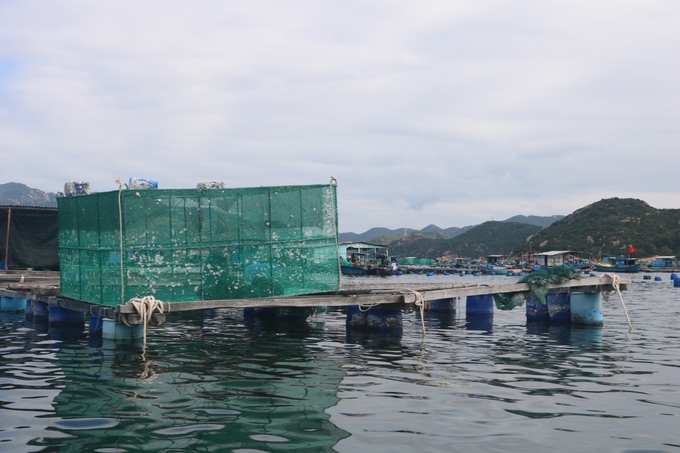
[676,283]
[40,309]
[479,305]
[442,305]
[586,309]
[13,302]
[95,326]
[62,316]
[673,276]
[657,278]
[536,311]
[558,307]
[382,319]
[356,319]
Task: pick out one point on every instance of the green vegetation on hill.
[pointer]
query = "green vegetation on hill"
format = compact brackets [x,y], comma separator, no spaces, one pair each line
[17,194]
[611,226]
[489,238]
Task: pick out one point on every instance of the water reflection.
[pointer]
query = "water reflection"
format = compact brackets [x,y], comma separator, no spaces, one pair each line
[203,382]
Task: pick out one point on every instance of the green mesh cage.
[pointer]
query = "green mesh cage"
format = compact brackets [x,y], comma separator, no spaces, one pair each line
[190,245]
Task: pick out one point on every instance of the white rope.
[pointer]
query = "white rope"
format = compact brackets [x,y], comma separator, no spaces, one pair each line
[145,307]
[616,281]
[420,303]
[120,238]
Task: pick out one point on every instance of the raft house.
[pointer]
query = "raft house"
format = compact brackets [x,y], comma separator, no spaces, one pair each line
[130,257]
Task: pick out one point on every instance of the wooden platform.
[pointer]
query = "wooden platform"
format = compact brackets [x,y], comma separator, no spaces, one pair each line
[401,294]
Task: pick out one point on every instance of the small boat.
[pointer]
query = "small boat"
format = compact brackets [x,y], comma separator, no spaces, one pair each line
[618,264]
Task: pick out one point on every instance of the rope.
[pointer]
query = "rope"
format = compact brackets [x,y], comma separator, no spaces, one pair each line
[145,307]
[616,280]
[333,183]
[420,303]
[120,238]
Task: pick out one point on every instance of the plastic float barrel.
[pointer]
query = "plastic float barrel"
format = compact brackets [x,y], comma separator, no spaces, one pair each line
[442,305]
[479,305]
[13,301]
[62,316]
[586,309]
[559,309]
[536,311]
[95,325]
[673,276]
[141,183]
[676,283]
[356,318]
[658,279]
[40,310]
[380,319]
[121,332]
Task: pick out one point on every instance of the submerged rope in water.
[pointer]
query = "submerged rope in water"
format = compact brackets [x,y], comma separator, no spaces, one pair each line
[616,281]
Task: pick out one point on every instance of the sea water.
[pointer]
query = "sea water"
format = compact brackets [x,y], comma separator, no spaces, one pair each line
[211,381]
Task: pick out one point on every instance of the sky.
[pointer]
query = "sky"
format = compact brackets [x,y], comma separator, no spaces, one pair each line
[450,113]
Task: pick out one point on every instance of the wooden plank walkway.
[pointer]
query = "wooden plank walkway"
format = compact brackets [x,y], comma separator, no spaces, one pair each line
[350,294]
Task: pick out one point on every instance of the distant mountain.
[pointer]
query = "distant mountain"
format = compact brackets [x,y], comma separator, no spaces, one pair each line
[451,232]
[611,226]
[489,238]
[544,221]
[17,194]
[372,234]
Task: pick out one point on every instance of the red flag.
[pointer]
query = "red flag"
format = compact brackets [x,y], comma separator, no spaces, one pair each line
[632,249]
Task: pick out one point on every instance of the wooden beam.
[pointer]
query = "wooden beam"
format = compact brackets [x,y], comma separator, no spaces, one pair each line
[382,294]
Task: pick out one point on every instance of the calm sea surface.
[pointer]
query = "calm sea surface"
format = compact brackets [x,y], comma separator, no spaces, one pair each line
[208,382]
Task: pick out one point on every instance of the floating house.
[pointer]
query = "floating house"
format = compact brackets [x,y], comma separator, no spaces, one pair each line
[364,258]
[665,262]
[563,258]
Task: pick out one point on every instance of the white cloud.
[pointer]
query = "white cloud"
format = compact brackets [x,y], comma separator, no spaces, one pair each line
[449,113]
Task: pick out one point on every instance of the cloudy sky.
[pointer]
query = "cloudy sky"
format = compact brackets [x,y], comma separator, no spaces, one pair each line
[431,112]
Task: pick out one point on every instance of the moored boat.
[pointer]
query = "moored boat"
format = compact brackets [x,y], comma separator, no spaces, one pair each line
[618,264]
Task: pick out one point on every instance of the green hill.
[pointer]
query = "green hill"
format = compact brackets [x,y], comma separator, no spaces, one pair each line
[488,238]
[611,226]
[17,194]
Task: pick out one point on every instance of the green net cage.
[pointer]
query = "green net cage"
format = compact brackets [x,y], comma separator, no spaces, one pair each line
[198,244]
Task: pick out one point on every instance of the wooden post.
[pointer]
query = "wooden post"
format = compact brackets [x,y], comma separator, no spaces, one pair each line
[9,217]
